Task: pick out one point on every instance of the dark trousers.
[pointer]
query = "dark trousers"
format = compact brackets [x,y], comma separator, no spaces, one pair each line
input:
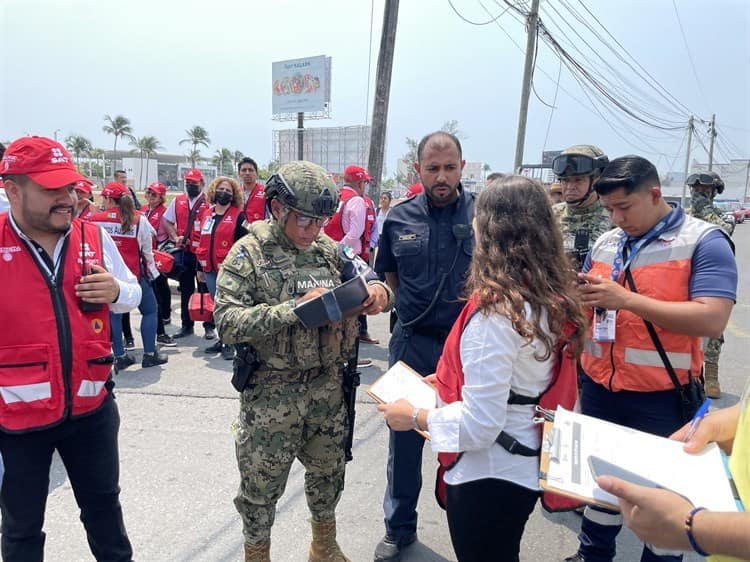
[486,519]
[163,301]
[654,412]
[404,471]
[88,449]
[187,288]
[127,331]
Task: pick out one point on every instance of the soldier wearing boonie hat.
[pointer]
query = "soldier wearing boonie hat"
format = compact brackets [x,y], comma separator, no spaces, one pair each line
[70,275]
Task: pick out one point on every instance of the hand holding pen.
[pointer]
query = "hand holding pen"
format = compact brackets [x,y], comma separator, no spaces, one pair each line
[697,418]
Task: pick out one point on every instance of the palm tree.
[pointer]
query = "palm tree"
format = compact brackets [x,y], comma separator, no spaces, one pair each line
[196,136]
[222,157]
[150,145]
[97,154]
[78,145]
[194,157]
[118,126]
[236,157]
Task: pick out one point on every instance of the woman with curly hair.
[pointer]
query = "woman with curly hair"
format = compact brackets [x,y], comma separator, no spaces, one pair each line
[522,305]
[221,226]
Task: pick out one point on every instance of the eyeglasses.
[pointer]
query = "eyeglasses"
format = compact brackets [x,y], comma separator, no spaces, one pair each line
[577,164]
[703,179]
[304,221]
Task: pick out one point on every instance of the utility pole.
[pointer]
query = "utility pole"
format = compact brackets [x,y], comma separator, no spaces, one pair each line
[382,95]
[687,162]
[747,180]
[712,133]
[300,136]
[526,89]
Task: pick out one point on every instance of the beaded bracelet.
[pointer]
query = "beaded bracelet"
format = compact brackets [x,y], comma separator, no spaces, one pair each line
[689,531]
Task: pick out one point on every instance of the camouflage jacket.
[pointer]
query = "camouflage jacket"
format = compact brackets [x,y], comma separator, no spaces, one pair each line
[260,276]
[711,214]
[580,228]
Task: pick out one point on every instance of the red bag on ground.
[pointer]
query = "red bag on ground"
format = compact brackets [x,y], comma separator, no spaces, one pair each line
[201,307]
[164,261]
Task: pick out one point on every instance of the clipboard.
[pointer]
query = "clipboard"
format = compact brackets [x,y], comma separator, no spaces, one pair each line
[570,440]
[401,381]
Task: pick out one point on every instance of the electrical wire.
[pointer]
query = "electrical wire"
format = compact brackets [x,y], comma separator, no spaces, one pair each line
[552,110]
[478,23]
[690,56]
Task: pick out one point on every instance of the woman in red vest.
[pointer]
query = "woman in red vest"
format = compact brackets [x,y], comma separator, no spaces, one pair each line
[155,197]
[133,236]
[220,228]
[84,209]
[501,350]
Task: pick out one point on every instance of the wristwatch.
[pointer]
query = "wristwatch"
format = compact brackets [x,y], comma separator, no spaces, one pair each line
[414,418]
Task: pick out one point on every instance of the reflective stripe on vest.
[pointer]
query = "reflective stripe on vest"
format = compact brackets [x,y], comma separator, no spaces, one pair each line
[661,270]
[26,392]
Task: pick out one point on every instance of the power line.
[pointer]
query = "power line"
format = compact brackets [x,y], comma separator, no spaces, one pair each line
[552,110]
[478,23]
[690,56]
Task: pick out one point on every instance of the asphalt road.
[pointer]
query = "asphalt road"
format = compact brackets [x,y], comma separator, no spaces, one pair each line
[178,472]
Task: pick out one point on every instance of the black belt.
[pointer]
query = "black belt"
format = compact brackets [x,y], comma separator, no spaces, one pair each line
[439,334]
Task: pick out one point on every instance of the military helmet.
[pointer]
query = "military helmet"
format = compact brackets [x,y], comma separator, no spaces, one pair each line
[710,178]
[580,160]
[304,187]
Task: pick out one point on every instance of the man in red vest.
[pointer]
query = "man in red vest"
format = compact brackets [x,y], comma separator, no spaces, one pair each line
[62,276]
[352,224]
[255,192]
[183,219]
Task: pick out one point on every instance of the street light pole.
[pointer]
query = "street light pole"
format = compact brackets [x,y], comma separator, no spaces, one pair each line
[55,133]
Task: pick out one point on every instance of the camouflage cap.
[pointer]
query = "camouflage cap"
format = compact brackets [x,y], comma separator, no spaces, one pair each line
[585,149]
[305,187]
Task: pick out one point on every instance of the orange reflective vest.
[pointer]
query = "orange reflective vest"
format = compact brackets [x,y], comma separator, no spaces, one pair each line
[661,270]
[56,359]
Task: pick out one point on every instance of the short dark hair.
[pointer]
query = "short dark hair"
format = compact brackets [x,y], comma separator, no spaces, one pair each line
[2,150]
[247,160]
[494,176]
[633,173]
[20,179]
[121,172]
[387,194]
[428,138]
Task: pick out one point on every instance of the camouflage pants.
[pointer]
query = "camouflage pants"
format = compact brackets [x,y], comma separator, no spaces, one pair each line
[712,349]
[281,422]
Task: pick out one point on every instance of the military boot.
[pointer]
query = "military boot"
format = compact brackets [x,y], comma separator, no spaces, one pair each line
[258,552]
[324,547]
[711,375]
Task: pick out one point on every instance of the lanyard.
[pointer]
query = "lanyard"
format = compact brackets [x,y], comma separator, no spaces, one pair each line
[657,230]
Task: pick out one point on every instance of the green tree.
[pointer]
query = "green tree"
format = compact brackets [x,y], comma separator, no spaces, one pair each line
[145,146]
[408,176]
[78,145]
[270,169]
[97,169]
[117,126]
[236,157]
[194,157]
[197,136]
[222,159]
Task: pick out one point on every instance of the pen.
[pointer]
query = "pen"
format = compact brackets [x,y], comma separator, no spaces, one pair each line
[699,415]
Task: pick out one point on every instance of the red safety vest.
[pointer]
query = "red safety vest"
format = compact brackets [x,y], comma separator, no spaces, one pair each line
[86,213]
[56,359]
[154,217]
[632,362]
[561,391]
[335,230]
[255,206]
[182,213]
[215,244]
[126,242]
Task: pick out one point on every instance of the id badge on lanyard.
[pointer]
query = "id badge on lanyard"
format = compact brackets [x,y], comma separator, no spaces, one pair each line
[208,226]
[604,325]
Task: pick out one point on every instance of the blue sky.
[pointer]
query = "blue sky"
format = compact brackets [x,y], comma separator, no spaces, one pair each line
[169,65]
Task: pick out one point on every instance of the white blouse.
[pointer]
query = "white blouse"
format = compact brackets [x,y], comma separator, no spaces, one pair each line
[494,360]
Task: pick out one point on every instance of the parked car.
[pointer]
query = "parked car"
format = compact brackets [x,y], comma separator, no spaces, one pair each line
[731,206]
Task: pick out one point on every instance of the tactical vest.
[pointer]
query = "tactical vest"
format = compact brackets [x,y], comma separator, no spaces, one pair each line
[283,273]
[56,359]
[126,242]
[214,245]
[661,270]
[255,206]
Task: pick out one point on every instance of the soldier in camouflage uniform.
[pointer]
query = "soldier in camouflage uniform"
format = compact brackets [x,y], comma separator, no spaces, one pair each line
[294,406]
[703,188]
[581,216]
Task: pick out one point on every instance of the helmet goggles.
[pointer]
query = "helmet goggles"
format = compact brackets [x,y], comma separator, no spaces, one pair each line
[577,164]
[703,179]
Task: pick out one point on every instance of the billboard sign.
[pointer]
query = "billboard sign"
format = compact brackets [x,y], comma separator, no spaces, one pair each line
[301,85]
[548,156]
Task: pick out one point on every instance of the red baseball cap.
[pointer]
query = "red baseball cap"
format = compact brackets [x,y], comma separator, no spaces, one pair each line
[158,188]
[414,189]
[355,173]
[114,190]
[84,185]
[43,160]
[194,175]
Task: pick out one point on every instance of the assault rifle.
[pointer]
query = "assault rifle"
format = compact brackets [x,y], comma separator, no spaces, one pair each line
[349,384]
